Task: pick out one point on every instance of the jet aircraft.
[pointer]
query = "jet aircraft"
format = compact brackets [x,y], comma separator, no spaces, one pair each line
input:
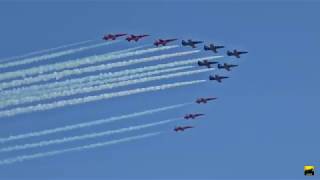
[135,37]
[182,128]
[206,63]
[192,116]
[217,78]
[190,43]
[112,36]
[236,53]
[205,100]
[212,47]
[226,66]
[163,42]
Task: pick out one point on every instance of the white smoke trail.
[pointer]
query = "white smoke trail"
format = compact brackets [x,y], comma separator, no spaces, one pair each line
[67,90]
[19,92]
[91,123]
[78,62]
[78,148]
[44,51]
[69,102]
[46,57]
[25,97]
[122,78]
[69,72]
[90,88]
[85,136]
[64,85]
[80,82]
[128,50]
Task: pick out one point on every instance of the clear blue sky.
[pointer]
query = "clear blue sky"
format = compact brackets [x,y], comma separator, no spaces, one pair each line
[264,125]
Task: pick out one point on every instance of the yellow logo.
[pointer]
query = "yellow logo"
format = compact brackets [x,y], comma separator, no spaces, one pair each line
[309,170]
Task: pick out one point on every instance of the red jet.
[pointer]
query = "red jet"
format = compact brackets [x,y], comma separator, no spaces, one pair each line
[192,116]
[135,37]
[182,128]
[112,36]
[204,100]
[163,42]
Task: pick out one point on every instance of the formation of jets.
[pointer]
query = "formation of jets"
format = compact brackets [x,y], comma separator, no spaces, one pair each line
[163,42]
[192,116]
[205,63]
[214,48]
